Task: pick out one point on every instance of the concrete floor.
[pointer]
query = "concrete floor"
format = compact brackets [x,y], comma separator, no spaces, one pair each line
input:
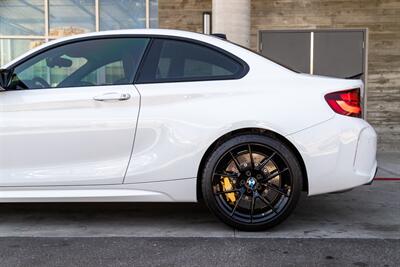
[388,165]
[135,251]
[366,212]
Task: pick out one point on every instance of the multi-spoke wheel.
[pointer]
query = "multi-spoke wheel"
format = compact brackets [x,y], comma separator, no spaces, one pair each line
[252,182]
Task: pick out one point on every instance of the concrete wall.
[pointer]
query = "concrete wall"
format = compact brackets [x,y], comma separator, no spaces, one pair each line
[182,14]
[381,17]
[232,17]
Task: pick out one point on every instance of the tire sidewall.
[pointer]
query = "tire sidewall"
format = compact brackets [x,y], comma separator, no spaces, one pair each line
[283,150]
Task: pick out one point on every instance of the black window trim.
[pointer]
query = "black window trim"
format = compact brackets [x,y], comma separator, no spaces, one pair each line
[245,67]
[240,74]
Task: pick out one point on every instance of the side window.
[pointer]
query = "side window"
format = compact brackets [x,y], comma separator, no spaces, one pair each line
[84,63]
[175,60]
[112,73]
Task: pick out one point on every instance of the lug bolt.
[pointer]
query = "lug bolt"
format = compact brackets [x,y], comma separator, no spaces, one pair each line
[248,173]
[258,176]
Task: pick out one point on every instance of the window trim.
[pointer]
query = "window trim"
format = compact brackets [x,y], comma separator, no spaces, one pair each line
[151,37]
[240,74]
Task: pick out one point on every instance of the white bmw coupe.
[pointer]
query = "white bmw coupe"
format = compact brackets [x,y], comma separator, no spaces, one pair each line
[165,115]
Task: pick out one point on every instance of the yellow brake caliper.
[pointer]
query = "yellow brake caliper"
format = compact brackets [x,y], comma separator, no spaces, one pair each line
[227,186]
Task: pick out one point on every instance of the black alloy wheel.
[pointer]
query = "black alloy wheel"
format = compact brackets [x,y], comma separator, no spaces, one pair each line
[252,182]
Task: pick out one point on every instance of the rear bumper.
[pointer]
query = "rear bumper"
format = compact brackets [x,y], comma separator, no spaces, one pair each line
[339,154]
[370,182]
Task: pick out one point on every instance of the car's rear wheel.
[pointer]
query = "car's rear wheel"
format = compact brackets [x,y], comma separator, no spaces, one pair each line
[252,182]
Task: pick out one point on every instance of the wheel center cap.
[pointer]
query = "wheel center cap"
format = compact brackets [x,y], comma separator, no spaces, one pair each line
[251,182]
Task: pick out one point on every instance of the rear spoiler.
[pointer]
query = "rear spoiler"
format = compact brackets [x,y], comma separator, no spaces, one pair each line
[219,35]
[356,76]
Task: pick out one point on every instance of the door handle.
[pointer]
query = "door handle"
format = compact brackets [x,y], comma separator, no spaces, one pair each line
[112,97]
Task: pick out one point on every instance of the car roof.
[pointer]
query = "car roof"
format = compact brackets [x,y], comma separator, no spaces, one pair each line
[142,32]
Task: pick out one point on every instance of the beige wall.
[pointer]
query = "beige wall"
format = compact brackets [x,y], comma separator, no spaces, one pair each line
[232,17]
[182,14]
[381,17]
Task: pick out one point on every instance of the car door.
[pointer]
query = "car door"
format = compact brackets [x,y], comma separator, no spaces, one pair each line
[70,113]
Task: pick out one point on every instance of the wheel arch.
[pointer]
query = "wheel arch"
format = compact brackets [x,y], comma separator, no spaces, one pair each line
[243,131]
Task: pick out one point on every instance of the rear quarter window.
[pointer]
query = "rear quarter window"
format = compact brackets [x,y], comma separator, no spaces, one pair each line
[180,60]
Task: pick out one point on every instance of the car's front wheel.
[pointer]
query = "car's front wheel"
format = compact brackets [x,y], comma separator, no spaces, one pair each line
[252,182]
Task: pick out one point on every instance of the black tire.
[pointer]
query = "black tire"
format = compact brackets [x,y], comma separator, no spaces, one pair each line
[273,198]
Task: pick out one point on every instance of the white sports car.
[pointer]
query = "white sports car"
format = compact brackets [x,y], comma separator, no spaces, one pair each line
[165,115]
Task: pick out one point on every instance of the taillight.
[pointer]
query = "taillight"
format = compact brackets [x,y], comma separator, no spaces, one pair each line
[345,102]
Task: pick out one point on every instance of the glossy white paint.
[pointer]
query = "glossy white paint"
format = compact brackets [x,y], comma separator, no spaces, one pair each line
[63,136]
[170,191]
[337,156]
[69,139]
[179,121]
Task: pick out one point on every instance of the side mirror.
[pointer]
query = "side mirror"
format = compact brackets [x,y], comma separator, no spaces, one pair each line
[5,78]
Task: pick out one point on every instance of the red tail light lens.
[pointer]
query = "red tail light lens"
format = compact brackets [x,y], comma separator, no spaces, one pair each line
[345,102]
